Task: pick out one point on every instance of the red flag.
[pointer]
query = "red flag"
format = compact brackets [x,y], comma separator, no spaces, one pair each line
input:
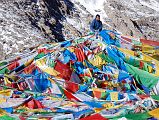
[71,86]
[70,96]
[80,54]
[13,65]
[34,104]
[64,70]
[94,117]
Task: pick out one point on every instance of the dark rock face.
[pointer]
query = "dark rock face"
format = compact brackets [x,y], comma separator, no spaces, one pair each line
[150,26]
[47,15]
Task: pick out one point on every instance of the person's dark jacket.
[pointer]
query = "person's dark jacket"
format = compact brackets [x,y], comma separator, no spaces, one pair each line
[96,25]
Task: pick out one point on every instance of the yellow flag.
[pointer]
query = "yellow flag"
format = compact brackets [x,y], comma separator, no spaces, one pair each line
[108,105]
[42,65]
[29,62]
[155,113]
[2,112]
[51,71]
[6,81]
[5,93]
[114,96]
[2,100]
[97,110]
[97,61]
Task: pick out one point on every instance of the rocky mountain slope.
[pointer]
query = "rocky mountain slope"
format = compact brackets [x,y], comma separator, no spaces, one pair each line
[139,18]
[28,23]
[16,32]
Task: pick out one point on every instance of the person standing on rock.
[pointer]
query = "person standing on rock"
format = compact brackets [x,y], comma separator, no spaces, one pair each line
[96,26]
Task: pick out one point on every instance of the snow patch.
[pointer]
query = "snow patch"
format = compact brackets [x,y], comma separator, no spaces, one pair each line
[94,7]
[74,22]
